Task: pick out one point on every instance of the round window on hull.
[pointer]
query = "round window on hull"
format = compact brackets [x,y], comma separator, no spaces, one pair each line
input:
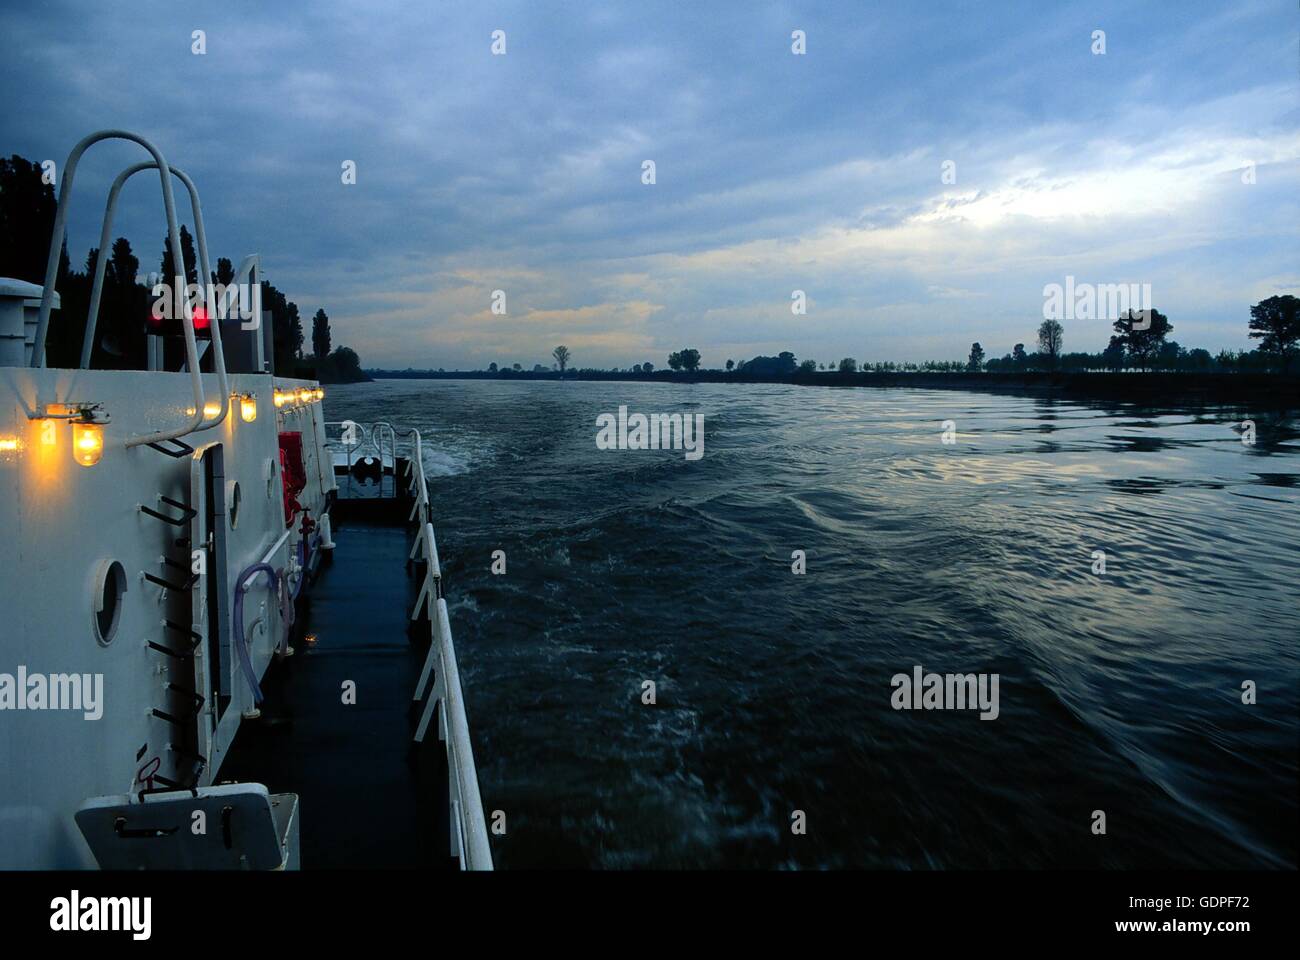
[108,587]
[269,473]
[234,498]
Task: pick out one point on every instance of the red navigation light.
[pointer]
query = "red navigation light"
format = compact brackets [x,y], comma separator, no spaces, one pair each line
[200,318]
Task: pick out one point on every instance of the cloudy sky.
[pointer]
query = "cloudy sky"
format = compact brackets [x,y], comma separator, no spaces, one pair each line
[774,172]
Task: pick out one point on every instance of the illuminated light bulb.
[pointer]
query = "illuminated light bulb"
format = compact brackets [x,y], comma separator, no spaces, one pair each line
[248,408]
[304,395]
[87,443]
[9,444]
[320,394]
[280,399]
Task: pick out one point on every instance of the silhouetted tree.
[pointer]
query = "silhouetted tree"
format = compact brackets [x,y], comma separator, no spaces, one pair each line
[848,365]
[690,359]
[27,209]
[779,366]
[1275,323]
[1051,337]
[1113,356]
[224,275]
[320,335]
[286,329]
[187,252]
[731,365]
[561,355]
[1142,345]
[976,360]
[347,364]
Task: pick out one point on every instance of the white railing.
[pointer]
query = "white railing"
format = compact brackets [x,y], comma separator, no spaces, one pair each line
[469,836]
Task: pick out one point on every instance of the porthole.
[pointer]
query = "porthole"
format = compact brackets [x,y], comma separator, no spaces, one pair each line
[233,499]
[108,586]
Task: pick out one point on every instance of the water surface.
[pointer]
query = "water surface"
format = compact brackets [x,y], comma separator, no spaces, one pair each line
[1118,692]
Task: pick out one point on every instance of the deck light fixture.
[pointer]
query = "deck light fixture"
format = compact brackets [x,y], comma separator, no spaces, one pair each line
[87,420]
[87,442]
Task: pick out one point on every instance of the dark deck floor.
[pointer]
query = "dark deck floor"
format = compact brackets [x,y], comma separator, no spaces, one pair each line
[366,799]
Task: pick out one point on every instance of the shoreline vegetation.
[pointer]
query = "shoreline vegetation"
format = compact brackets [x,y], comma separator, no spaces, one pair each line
[1137,387]
[1140,364]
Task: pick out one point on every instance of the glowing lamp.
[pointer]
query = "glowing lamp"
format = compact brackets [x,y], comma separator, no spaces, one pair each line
[281,399]
[248,408]
[200,318]
[87,442]
[9,445]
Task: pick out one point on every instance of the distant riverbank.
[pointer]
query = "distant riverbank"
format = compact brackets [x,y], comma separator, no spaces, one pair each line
[1133,386]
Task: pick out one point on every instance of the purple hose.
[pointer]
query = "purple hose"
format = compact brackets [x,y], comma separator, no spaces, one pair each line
[241,644]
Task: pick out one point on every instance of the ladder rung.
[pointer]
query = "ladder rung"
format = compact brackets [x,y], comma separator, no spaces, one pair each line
[183,449]
[160,581]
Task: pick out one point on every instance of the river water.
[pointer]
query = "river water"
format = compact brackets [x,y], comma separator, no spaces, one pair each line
[1118,692]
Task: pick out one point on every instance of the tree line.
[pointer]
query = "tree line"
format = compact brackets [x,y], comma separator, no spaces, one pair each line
[1140,342]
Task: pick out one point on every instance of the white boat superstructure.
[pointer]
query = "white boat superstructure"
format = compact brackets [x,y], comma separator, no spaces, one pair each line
[160,531]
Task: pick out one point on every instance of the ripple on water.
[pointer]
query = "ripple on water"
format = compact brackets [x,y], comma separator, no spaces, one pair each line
[1119,691]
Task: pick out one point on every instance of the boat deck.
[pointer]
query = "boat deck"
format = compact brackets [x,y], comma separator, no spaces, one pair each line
[368,797]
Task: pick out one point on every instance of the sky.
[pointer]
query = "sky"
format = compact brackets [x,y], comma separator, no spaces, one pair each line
[1171,159]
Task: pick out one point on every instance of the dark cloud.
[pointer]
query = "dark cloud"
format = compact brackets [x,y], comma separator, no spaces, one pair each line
[774,172]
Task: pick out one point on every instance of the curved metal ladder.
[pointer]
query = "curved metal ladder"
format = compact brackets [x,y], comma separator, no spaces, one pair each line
[173,238]
[101,264]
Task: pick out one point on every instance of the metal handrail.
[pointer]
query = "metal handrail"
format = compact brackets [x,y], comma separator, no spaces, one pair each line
[174,241]
[372,438]
[369,439]
[468,821]
[473,835]
[101,264]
